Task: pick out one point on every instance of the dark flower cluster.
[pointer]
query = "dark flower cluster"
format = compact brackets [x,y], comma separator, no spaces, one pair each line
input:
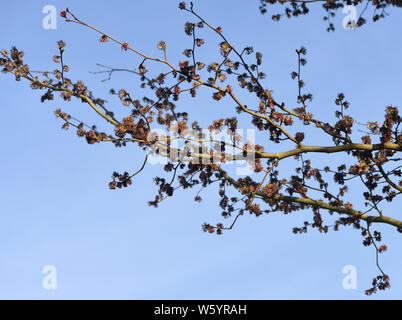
[120,180]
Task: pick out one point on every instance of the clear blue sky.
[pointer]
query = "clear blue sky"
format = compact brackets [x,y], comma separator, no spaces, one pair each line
[56,208]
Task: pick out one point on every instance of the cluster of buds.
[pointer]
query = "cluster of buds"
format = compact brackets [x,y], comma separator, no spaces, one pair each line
[124,46]
[211,229]
[120,180]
